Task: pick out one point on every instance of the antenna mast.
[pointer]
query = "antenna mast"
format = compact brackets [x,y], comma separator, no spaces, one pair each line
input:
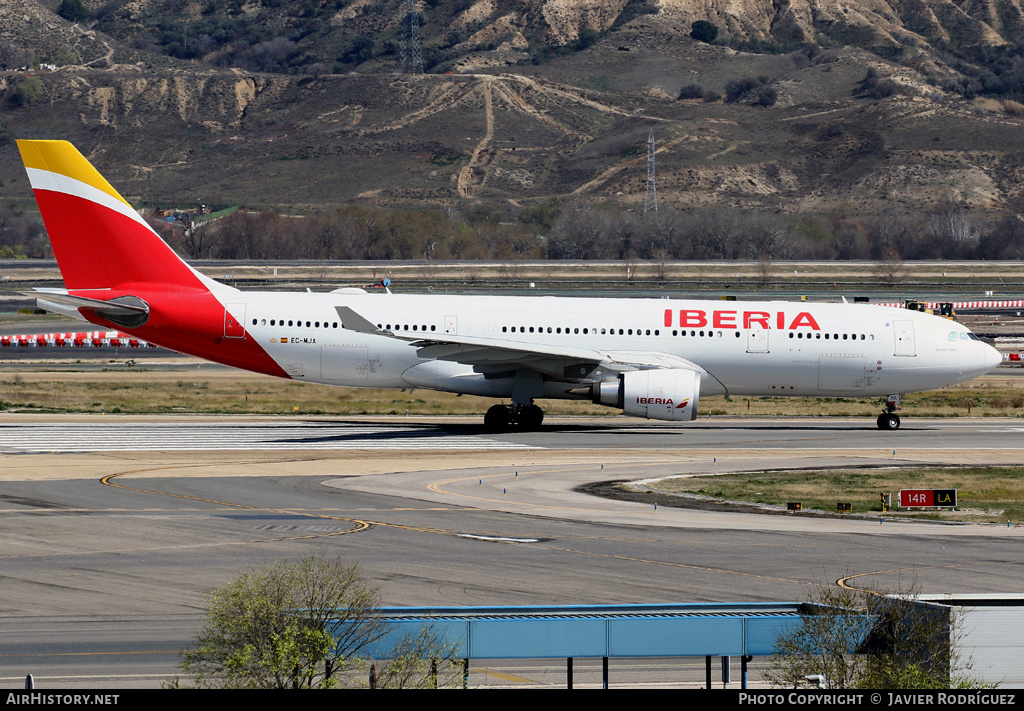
[412,51]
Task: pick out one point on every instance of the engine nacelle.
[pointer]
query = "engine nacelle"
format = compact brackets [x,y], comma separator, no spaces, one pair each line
[665,394]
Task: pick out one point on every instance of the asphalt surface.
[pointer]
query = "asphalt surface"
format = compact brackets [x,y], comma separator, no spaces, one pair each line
[102,580]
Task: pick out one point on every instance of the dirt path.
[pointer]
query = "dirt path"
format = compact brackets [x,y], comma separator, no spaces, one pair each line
[448,97]
[468,175]
[521,94]
[619,167]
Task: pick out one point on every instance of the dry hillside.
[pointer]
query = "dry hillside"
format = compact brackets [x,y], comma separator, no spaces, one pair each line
[299,104]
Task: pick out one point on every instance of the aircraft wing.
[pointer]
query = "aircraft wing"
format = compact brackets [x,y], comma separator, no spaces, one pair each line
[579,364]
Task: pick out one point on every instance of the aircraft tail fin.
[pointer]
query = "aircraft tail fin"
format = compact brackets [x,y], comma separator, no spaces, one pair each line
[99,240]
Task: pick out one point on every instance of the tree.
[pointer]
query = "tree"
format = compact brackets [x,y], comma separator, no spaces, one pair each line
[72,10]
[764,269]
[285,626]
[891,269]
[861,639]
[26,91]
[911,646]
[825,642]
[426,661]
[703,31]
[12,57]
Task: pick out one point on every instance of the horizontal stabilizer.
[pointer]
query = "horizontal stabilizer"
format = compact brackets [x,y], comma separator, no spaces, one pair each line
[124,310]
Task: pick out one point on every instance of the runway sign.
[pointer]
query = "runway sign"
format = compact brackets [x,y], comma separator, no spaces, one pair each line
[926,498]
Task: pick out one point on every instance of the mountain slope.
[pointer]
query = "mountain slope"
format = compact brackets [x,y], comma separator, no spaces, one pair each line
[849,130]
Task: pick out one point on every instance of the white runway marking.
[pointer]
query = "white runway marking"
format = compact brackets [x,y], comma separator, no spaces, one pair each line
[498,539]
[173,436]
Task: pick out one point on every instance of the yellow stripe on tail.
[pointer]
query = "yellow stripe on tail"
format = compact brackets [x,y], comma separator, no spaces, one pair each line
[63,158]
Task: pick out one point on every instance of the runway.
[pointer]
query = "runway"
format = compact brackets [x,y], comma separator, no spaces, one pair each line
[67,434]
[107,552]
[69,437]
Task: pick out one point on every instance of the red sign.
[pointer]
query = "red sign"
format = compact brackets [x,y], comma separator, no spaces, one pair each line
[918,498]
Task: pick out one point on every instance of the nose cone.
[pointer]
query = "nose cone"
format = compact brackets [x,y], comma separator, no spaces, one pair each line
[992,357]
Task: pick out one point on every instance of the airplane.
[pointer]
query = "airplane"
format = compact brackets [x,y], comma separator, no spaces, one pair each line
[651,358]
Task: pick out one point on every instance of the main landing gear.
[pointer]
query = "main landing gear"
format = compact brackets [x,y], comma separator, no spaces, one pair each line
[889,420]
[518,416]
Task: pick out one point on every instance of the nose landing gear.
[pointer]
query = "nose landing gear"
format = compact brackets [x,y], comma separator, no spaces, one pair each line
[889,420]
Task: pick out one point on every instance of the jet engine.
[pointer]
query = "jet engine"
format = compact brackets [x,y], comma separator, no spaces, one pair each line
[666,394]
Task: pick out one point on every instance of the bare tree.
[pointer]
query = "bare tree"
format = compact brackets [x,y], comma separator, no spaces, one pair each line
[890,268]
[951,228]
[12,57]
[198,239]
[862,639]
[580,232]
[765,269]
[662,262]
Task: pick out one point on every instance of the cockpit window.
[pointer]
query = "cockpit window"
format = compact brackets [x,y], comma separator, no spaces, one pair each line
[962,336]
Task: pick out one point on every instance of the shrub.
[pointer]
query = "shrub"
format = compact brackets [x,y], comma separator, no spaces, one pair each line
[72,10]
[703,31]
[765,96]
[27,91]
[738,88]
[691,91]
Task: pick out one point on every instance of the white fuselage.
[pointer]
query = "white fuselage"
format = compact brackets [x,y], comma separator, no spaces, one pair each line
[740,348]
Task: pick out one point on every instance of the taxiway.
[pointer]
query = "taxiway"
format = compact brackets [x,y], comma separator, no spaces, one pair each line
[109,545]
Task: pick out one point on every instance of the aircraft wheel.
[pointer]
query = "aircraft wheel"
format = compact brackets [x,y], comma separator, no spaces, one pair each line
[530,418]
[889,422]
[497,418]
